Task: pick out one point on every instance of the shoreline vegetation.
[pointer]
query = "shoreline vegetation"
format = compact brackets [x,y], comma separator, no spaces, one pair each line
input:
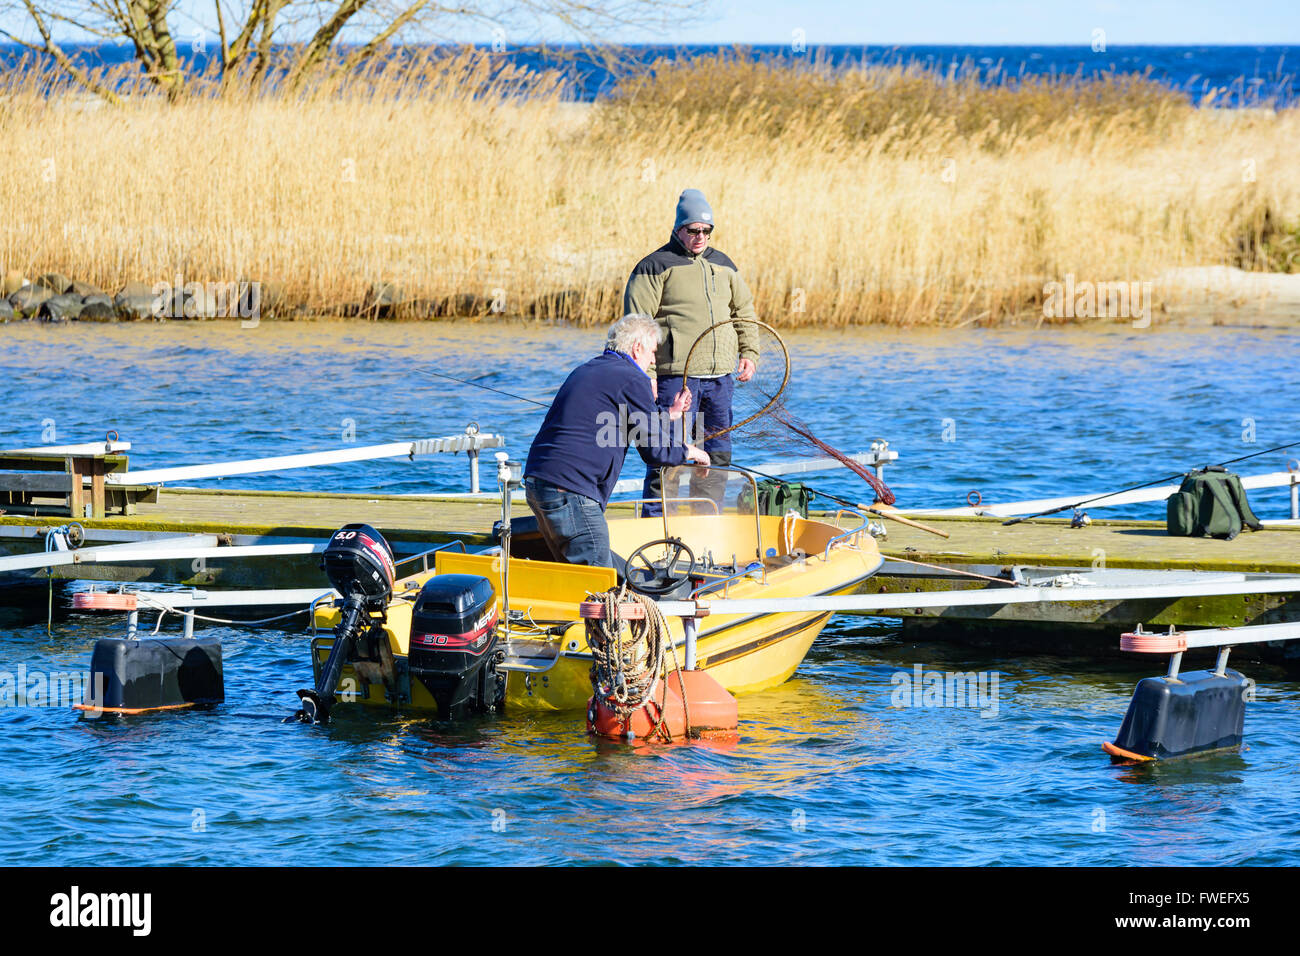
[892,195]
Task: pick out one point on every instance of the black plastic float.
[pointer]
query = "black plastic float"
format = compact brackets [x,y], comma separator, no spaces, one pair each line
[1181,714]
[1194,712]
[133,676]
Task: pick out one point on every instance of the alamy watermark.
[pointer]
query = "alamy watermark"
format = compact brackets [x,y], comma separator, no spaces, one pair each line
[1098,300]
[76,908]
[37,688]
[633,428]
[921,688]
[179,299]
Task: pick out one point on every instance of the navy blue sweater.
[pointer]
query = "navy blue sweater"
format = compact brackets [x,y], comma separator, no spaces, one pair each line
[602,407]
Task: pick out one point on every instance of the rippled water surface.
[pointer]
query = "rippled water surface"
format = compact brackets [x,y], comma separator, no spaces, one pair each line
[826,771]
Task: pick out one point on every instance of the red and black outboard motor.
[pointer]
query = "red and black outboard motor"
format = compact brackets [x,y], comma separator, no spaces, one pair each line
[453,650]
[359,565]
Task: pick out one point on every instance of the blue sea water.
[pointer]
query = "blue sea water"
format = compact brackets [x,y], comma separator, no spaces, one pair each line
[827,771]
[1247,75]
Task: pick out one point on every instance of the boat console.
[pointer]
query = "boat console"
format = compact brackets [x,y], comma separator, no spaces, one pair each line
[663,578]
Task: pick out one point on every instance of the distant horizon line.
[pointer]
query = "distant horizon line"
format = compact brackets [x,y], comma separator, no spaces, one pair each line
[755,43]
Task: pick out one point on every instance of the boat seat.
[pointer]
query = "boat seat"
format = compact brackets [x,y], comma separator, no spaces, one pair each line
[526,541]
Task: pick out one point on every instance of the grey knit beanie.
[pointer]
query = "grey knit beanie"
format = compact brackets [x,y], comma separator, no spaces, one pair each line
[693,207]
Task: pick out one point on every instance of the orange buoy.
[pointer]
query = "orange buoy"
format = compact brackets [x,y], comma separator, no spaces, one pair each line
[105,601]
[712,711]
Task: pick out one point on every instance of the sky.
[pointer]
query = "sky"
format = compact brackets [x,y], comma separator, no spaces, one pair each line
[885,22]
[1047,22]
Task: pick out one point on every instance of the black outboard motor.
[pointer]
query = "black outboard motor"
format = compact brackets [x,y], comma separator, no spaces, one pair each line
[453,650]
[359,565]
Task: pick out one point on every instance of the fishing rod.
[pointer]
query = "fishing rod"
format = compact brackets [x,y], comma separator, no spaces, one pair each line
[822,494]
[1149,484]
[848,504]
[499,391]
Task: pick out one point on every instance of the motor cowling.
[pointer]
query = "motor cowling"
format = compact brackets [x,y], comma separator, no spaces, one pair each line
[359,565]
[358,561]
[453,644]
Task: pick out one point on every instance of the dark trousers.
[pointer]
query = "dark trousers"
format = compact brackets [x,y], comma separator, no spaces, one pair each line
[710,412]
[573,525]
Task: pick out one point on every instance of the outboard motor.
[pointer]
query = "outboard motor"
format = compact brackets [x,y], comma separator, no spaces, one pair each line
[359,565]
[453,650]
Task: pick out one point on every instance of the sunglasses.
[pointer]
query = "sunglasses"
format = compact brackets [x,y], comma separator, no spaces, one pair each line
[702,231]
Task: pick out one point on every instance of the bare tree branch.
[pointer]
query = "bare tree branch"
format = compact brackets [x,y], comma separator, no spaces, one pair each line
[221,32]
[54,50]
[364,53]
[316,48]
[260,39]
[239,49]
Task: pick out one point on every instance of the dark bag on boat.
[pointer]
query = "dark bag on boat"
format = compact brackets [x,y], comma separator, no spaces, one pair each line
[776,498]
[1210,504]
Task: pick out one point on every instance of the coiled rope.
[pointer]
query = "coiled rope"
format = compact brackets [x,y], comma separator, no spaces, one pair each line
[627,659]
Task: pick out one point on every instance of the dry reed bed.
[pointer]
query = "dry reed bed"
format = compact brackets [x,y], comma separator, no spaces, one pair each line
[866,199]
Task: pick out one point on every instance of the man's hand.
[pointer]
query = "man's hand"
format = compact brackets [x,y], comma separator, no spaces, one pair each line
[697,455]
[654,388]
[747,369]
[681,403]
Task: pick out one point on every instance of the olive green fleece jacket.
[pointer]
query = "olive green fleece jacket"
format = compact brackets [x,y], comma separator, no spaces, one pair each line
[686,294]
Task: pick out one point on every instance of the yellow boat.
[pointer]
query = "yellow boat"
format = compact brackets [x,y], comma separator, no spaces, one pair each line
[543,652]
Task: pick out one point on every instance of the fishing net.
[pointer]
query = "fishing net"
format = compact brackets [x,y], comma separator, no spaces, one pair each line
[762,423]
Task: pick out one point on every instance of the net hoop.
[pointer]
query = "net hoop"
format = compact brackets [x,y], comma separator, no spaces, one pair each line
[785,380]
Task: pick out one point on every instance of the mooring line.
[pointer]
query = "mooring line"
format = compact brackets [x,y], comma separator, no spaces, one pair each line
[971,574]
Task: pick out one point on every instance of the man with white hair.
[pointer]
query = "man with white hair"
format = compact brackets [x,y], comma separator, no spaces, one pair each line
[603,406]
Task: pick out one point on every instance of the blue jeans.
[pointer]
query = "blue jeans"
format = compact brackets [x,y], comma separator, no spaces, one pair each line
[573,525]
[710,412]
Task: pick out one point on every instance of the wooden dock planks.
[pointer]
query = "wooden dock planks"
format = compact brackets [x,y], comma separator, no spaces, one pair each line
[309,514]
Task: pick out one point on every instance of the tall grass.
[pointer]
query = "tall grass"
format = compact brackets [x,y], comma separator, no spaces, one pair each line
[883,194]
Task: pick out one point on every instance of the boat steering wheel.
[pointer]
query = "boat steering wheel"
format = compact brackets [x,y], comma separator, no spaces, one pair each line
[659,581]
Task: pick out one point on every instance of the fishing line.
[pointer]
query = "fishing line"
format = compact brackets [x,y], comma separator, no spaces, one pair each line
[1266,451]
[785,379]
[818,493]
[870,509]
[499,391]
[766,418]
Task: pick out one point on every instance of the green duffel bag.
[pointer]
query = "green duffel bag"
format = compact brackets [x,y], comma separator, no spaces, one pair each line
[1210,504]
[776,498]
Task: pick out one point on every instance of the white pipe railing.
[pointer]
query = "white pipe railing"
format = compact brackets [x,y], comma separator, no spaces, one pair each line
[1253,634]
[402,449]
[179,548]
[1261,584]
[1010,509]
[195,599]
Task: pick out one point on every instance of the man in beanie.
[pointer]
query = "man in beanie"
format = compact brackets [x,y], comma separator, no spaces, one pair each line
[688,286]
